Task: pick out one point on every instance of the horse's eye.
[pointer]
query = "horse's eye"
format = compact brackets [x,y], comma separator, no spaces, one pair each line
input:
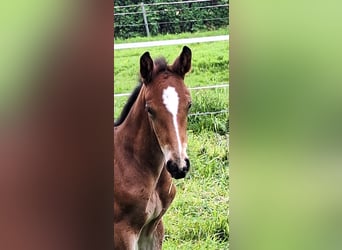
[189,105]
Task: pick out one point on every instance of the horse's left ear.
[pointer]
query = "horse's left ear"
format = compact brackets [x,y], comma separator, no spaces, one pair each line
[182,64]
[146,67]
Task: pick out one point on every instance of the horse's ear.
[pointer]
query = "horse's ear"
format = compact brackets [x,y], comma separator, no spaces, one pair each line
[182,64]
[146,67]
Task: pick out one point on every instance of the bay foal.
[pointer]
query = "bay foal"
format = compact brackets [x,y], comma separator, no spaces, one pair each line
[149,149]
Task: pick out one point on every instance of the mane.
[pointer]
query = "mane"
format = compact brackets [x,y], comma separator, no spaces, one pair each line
[131,100]
[160,65]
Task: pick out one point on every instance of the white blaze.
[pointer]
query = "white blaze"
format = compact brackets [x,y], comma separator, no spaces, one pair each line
[171,100]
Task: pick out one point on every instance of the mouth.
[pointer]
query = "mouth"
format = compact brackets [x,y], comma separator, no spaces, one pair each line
[177,175]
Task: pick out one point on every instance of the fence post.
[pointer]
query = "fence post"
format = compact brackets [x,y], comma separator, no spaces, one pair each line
[145,19]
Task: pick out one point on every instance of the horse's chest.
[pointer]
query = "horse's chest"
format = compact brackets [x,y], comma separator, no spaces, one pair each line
[154,207]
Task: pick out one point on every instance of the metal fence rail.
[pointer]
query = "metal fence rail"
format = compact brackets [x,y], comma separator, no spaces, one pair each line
[209,113]
[164,3]
[171,42]
[167,10]
[221,85]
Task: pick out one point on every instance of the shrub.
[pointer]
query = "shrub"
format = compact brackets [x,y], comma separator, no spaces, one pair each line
[168,19]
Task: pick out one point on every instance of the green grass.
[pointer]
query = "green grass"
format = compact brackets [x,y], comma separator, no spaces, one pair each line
[218,32]
[210,100]
[198,217]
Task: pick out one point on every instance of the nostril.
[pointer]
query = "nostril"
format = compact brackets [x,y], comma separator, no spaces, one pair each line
[187,162]
[171,165]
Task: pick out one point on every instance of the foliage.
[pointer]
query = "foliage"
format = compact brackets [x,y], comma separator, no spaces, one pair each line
[168,19]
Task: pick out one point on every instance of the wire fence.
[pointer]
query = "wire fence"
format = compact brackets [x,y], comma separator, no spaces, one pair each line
[169,17]
[163,3]
[216,86]
[185,21]
[209,113]
[219,85]
[168,10]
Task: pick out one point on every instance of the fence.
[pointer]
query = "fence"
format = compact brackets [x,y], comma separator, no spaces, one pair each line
[221,85]
[169,17]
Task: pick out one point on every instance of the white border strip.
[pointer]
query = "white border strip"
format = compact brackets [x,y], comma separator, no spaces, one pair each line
[171,42]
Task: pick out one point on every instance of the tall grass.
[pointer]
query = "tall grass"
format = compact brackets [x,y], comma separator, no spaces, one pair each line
[198,217]
[211,100]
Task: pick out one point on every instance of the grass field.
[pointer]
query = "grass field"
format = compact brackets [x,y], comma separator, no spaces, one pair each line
[198,217]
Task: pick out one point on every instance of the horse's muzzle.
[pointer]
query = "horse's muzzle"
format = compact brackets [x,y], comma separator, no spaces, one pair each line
[175,170]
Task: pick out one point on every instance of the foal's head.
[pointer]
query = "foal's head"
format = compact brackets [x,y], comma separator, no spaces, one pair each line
[167,102]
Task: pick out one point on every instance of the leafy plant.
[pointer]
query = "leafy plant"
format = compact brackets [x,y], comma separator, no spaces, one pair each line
[168,19]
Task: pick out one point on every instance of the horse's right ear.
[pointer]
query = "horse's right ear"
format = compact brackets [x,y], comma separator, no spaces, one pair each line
[182,64]
[146,68]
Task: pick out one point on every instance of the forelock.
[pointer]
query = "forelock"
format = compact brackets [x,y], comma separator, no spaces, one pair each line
[160,65]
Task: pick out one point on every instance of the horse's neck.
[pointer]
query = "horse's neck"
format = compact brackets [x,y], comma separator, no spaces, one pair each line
[138,137]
